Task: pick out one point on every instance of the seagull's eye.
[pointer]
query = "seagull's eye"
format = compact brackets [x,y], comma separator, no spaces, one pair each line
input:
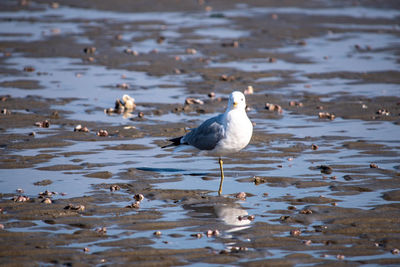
[241,99]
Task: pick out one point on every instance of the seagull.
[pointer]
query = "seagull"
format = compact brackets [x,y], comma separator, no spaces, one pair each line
[221,135]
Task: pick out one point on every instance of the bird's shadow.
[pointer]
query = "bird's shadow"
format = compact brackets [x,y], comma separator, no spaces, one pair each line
[171,170]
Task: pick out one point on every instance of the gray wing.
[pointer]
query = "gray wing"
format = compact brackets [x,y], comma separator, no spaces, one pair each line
[207,135]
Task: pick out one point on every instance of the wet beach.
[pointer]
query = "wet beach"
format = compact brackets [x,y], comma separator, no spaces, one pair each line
[84,180]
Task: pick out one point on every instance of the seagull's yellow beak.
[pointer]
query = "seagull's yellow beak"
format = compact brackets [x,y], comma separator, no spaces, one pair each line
[235,104]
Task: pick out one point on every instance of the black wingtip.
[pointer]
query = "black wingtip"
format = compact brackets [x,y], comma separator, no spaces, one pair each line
[175,142]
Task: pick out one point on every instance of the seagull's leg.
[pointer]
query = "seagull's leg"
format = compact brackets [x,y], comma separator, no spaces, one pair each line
[222,175]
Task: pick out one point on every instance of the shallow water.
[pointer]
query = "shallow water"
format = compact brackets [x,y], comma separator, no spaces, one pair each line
[180,187]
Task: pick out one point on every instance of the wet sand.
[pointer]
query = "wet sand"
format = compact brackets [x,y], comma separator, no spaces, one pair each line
[320,176]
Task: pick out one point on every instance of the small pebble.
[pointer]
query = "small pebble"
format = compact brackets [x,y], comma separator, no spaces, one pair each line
[326,115]
[383,111]
[249,90]
[43,124]
[314,147]
[259,180]
[5,111]
[114,188]
[1,226]
[89,50]
[79,128]
[234,44]
[395,251]
[307,242]
[140,114]
[46,193]
[198,235]
[191,101]
[273,107]
[131,52]
[271,60]
[340,257]
[86,250]
[102,230]
[47,201]
[295,232]
[227,78]
[251,217]
[122,85]
[157,233]
[284,218]
[241,195]
[373,166]
[102,133]
[20,198]
[325,169]
[210,233]
[75,207]
[29,69]
[211,95]
[138,197]
[295,104]
[306,211]
[134,205]
[191,51]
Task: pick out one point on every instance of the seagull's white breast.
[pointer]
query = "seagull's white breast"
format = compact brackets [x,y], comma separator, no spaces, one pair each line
[238,132]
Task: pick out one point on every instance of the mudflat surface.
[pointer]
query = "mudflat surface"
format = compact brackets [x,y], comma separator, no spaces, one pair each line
[320,176]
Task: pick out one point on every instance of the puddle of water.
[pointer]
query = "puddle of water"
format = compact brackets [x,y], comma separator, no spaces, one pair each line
[354,12]
[339,54]
[90,82]
[362,27]
[354,129]
[34,31]
[221,33]
[332,87]
[64,13]
[339,50]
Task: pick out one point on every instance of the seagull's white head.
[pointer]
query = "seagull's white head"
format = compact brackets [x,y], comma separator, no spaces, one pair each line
[237,100]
